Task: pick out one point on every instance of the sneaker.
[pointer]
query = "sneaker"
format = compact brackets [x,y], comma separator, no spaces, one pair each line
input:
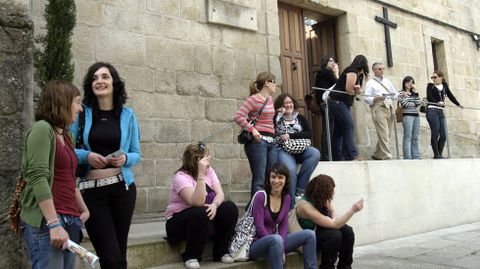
[227,258]
[192,264]
[358,158]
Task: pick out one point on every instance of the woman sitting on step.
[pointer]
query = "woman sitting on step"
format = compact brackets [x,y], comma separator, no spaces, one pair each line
[271,223]
[197,211]
[334,236]
[292,126]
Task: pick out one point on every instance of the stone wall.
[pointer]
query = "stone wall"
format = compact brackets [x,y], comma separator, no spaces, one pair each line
[187,74]
[15,109]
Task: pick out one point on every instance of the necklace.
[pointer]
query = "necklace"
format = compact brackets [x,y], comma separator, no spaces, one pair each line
[56,130]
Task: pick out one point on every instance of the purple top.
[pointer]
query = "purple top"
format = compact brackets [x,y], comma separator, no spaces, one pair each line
[264,224]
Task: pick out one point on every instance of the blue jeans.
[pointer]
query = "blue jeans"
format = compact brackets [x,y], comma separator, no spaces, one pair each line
[309,160]
[436,120]
[41,254]
[343,144]
[411,128]
[261,155]
[271,247]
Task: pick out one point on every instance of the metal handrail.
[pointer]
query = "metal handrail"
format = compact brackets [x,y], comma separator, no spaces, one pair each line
[392,96]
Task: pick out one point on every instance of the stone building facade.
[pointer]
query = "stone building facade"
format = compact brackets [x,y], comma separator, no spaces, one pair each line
[187,65]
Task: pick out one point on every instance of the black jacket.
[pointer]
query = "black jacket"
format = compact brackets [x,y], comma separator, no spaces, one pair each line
[434,96]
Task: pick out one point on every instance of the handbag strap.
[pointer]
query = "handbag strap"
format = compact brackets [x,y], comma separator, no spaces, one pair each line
[250,207]
[379,82]
[260,111]
[81,124]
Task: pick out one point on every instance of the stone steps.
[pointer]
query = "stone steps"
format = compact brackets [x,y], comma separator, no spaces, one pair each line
[294,260]
[147,248]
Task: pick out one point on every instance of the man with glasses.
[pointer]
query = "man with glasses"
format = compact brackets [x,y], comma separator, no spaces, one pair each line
[381,92]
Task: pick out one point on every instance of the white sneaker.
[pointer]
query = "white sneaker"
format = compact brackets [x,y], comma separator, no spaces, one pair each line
[227,258]
[192,264]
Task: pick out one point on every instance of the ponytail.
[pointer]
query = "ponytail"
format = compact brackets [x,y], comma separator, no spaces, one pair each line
[257,85]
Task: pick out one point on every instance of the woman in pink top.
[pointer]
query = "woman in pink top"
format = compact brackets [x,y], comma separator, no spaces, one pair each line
[197,211]
[262,151]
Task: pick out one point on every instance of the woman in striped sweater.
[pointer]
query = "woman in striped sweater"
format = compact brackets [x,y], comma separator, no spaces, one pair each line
[262,151]
[411,120]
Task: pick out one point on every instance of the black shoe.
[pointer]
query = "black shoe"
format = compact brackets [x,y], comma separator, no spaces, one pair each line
[375,158]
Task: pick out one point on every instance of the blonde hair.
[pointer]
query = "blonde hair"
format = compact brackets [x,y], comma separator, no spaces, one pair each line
[258,84]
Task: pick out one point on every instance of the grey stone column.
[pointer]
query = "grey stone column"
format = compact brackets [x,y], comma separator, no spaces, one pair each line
[16,79]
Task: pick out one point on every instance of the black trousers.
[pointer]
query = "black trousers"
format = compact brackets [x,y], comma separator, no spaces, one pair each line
[335,243]
[111,209]
[193,225]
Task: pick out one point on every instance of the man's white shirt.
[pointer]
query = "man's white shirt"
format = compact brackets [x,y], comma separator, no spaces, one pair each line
[375,89]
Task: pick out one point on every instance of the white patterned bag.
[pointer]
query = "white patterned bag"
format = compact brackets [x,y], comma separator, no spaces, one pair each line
[244,233]
[296,146]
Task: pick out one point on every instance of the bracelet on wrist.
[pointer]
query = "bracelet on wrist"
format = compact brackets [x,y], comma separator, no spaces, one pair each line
[52,221]
[55,225]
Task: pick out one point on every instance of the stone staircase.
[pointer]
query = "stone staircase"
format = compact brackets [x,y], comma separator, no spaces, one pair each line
[147,248]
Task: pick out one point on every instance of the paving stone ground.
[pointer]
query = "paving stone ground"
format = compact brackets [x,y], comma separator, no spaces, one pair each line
[456,247]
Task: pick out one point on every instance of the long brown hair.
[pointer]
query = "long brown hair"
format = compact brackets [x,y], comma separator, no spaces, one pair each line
[55,104]
[258,84]
[192,154]
[320,190]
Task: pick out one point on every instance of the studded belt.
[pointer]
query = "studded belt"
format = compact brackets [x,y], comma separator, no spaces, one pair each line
[88,184]
[269,139]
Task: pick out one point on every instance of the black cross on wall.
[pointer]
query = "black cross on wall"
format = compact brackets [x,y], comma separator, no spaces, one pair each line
[386,25]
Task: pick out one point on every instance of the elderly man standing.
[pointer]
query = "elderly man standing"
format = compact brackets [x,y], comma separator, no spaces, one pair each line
[382,109]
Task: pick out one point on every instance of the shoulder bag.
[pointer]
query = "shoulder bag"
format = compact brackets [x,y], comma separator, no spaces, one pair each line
[244,233]
[296,146]
[293,224]
[399,112]
[15,209]
[245,137]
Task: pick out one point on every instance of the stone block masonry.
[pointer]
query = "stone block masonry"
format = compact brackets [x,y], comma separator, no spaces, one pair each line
[16,106]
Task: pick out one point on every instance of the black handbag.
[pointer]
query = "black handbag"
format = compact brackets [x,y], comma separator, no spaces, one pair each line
[82,169]
[245,137]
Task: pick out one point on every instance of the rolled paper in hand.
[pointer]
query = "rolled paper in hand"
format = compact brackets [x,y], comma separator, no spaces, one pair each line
[84,254]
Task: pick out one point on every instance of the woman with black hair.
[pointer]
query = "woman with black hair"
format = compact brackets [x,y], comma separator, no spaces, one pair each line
[270,216]
[316,212]
[111,146]
[411,119]
[325,78]
[436,93]
[339,104]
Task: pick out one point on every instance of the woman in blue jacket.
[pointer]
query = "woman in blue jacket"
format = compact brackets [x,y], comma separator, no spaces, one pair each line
[111,147]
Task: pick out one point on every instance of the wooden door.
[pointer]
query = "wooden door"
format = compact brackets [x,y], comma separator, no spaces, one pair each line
[320,40]
[293,53]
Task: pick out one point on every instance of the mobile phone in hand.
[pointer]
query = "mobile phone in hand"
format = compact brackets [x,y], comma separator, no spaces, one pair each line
[115,154]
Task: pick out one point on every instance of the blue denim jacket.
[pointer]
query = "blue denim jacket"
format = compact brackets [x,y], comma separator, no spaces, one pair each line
[129,141]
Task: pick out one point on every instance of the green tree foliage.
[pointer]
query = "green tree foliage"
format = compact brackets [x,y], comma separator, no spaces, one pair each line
[53,60]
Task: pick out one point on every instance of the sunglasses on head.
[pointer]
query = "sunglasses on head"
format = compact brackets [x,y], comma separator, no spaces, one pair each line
[201,147]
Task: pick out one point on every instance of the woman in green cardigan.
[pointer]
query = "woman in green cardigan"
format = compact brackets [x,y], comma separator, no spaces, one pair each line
[53,210]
